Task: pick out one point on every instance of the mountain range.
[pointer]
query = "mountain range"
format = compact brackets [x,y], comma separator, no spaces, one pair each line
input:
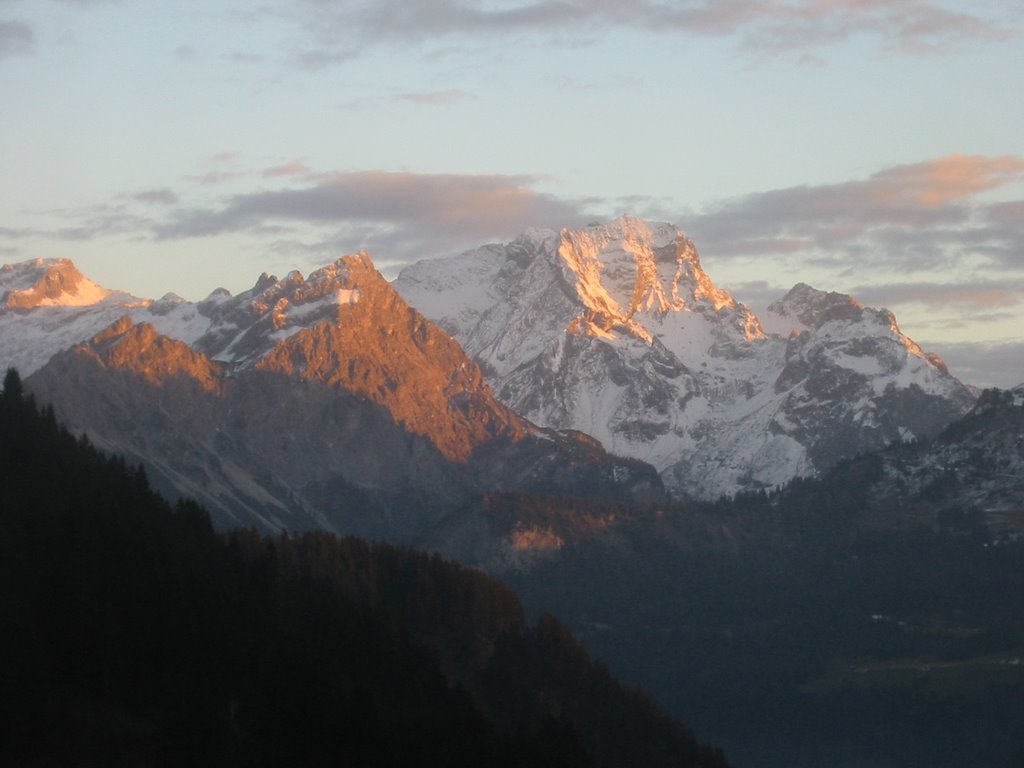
[304,397]
[616,330]
[320,402]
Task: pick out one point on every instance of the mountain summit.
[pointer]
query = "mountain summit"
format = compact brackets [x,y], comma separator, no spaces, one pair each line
[616,330]
[42,283]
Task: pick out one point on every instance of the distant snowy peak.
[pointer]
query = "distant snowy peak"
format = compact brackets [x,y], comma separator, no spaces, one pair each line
[47,283]
[805,307]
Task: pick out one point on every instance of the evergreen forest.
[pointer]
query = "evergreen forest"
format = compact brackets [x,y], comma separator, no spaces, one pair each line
[136,635]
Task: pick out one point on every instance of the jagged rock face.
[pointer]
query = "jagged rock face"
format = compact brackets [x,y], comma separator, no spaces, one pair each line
[381,349]
[617,331]
[256,448]
[859,374]
[46,283]
[367,420]
[812,308]
[140,350]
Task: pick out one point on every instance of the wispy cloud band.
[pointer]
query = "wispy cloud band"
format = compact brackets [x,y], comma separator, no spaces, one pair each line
[339,30]
[904,217]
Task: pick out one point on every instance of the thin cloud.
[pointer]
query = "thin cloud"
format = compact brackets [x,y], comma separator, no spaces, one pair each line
[291,168]
[899,217]
[221,167]
[227,156]
[161,196]
[105,223]
[983,364]
[757,294]
[16,39]
[977,295]
[435,98]
[419,205]
[917,28]
[323,58]
[244,58]
[216,177]
[760,26]
[16,233]
[945,179]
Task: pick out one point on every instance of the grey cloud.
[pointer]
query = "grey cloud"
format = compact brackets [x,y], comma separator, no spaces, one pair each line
[244,58]
[104,224]
[417,207]
[983,364]
[923,26]
[905,217]
[160,196]
[435,98]
[757,294]
[972,320]
[291,168]
[16,39]
[914,28]
[323,58]
[216,177]
[977,295]
[16,233]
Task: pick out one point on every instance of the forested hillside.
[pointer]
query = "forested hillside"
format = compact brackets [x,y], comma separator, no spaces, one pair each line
[135,635]
[821,625]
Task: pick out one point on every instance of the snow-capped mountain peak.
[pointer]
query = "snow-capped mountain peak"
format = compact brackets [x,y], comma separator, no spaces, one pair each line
[617,331]
[812,308]
[629,267]
[47,283]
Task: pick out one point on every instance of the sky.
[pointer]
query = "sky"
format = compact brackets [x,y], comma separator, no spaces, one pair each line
[871,147]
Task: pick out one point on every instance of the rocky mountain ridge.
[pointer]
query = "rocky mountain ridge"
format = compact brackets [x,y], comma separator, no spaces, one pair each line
[328,403]
[617,331]
[614,331]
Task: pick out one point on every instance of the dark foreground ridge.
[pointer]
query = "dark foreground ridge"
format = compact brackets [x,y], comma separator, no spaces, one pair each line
[136,635]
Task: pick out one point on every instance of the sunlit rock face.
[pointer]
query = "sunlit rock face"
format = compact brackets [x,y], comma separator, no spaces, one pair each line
[47,283]
[617,331]
[319,402]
